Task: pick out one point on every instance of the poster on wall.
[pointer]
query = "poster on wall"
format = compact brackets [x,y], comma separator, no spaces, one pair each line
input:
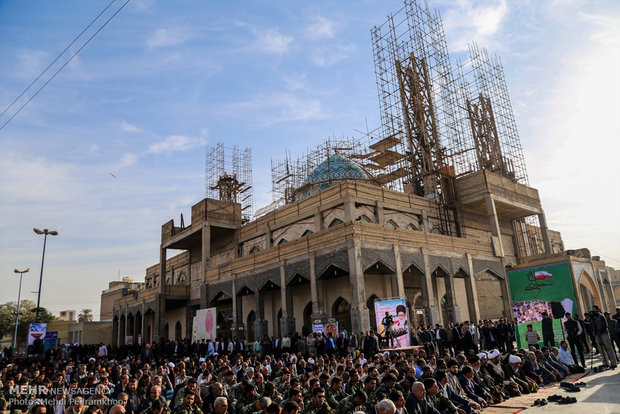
[535,290]
[36,331]
[204,324]
[51,338]
[397,308]
[332,327]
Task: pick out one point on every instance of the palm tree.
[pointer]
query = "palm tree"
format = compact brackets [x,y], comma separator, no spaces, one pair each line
[85,316]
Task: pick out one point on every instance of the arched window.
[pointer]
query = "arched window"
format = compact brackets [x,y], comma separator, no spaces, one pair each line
[255,249]
[335,222]
[391,223]
[282,241]
[307,233]
[370,304]
[364,219]
[169,281]
[250,325]
[341,311]
[307,328]
[178,331]
[410,226]
[182,277]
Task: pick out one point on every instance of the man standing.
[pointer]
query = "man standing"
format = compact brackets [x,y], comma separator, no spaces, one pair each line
[574,331]
[547,331]
[599,330]
[388,324]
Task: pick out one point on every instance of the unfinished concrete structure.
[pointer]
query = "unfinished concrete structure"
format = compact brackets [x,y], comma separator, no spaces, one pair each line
[432,207]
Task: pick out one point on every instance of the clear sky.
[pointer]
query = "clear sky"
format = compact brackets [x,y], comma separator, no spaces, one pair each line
[163,79]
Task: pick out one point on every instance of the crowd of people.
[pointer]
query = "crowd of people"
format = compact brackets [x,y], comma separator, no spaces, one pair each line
[459,368]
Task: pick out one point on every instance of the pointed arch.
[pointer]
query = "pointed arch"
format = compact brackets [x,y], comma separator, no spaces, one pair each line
[178,331]
[370,304]
[341,311]
[254,249]
[307,327]
[282,241]
[364,219]
[250,324]
[391,223]
[411,226]
[307,233]
[335,222]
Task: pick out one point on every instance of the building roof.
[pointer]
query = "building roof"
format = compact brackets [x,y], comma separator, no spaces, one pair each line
[333,169]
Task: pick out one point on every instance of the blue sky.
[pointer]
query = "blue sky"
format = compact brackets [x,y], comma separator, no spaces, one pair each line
[163,79]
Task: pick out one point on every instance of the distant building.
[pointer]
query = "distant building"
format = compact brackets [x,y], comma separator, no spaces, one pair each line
[116,290]
[68,315]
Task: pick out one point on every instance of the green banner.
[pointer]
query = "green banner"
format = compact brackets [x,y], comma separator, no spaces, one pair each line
[547,288]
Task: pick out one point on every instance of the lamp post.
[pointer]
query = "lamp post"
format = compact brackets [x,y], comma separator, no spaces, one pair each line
[19,297]
[45,232]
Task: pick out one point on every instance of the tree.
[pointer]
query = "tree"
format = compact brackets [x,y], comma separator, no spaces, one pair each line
[26,317]
[86,315]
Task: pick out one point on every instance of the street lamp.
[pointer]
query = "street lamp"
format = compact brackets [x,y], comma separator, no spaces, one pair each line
[45,232]
[19,296]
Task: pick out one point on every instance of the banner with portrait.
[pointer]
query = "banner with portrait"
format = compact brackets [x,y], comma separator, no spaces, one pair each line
[397,309]
[534,290]
[205,326]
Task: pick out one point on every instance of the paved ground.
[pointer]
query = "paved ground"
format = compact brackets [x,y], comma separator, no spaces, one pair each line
[600,396]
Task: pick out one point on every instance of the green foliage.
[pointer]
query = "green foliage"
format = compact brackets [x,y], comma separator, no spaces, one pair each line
[26,317]
[85,316]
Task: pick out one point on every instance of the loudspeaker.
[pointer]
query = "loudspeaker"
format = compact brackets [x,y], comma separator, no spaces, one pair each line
[557,310]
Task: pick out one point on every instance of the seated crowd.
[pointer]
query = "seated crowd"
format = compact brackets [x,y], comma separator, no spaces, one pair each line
[183,378]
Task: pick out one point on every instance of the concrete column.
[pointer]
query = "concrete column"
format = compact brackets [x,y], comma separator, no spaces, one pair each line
[205,250]
[379,212]
[432,313]
[360,317]
[287,322]
[542,219]
[494,225]
[426,224]
[269,236]
[506,297]
[142,325]
[319,223]
[162,270]
[400,283]
[260,324]
[453,310]
[317,308]
[349,210]
[472,292]
[126,323]
[234,302]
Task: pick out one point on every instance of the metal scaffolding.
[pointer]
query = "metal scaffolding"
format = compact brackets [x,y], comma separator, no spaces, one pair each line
[439,120]
[228,176]
[288,175]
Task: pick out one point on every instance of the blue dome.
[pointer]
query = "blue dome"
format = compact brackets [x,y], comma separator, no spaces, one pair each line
[335,168]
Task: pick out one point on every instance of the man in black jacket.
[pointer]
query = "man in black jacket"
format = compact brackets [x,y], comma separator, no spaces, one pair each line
[573,330]
[417,403]
[547,331]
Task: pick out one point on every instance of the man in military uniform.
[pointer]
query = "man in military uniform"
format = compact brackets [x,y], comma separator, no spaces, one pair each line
[388,384]
[352,403]
[318,403]
[192,385]
[283,382]
[257,406]
[259,382]
[156,407]
[438,400]
[370,386]
[354,383]
[249,396]
[334,393]
[271,392]
[188,406]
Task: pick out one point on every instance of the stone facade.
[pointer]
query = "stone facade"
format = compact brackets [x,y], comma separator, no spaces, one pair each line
[330,255]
